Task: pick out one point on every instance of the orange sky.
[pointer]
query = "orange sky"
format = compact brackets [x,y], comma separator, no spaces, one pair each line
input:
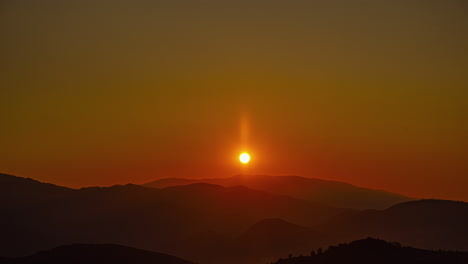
[105,92]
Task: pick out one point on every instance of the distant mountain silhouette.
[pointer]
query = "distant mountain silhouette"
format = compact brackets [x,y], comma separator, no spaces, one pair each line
[147,218]
[333,193]
[429,224]
[371,251]
[96,254]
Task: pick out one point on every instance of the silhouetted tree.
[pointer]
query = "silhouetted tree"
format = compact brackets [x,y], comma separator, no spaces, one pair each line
[396,244]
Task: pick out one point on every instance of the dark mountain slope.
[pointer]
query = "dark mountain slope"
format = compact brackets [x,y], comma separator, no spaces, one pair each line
[334,193]
[17,191]
[371,251]
[96,254]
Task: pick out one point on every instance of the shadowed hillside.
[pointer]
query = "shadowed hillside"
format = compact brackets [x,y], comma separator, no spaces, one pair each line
[96,254]
[334,193]
[371,251]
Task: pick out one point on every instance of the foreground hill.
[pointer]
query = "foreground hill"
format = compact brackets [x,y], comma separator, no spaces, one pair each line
[96,254]
[334,193]
[429,224]
[371,251]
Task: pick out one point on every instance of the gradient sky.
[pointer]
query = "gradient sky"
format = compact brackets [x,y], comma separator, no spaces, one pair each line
[370,92]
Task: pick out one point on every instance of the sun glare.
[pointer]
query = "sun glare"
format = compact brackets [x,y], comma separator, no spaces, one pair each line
[244,158]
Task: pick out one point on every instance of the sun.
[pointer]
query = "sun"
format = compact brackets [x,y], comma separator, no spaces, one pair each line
[244,158]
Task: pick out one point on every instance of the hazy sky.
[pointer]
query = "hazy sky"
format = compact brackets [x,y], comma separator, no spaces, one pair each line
[371,92]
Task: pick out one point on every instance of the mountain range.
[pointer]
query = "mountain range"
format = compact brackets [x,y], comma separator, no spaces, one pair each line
[155,219]
[209,223]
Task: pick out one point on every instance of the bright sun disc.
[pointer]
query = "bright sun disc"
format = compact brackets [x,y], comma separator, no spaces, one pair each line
[244,158]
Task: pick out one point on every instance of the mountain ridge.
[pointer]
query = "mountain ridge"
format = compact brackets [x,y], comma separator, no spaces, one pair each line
[334,193]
